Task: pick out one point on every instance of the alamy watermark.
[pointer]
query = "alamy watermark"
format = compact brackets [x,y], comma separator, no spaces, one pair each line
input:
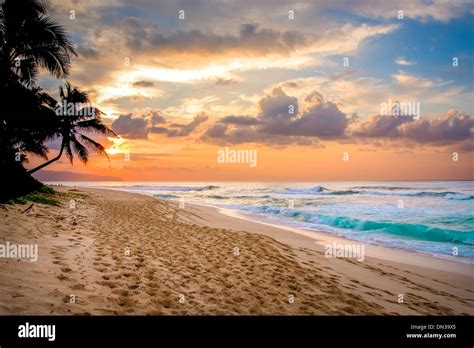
[244,156]
[37,331]
[74,109]
[19,251]
[349,251]
[396,108]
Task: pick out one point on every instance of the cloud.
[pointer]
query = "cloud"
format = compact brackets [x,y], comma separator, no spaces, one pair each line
[143,84]
[363,95]
[203,51]
[380,126]
[431,90]
[406,80]
[204,47]
[249,41]
[132,128]
[220,81]
[319,119]
[242,120]
[182,130]
[156,118]
[278,105]
[158,130]
[347,94]
[448,129]
[255,45]
[280,120]
[217,130]
[322,119]
[222,134]
[403,61]
[138,127]
[88,52]
[437,10]
[348,38]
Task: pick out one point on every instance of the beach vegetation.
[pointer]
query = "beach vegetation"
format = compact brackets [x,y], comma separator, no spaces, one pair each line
[44,195]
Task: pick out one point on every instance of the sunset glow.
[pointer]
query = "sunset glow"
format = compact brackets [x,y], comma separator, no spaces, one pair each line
[176,91]
[119,146]
[263,160]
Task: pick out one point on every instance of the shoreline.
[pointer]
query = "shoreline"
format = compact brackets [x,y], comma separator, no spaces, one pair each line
[377,251]
[220,264]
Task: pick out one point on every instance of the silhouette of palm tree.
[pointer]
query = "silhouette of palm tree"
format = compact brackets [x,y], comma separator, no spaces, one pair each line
[76,115]
[29,41]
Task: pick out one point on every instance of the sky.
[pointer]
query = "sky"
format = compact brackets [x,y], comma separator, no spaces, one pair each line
[312,87]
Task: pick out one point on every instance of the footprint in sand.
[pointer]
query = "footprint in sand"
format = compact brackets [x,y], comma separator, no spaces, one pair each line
[78,287]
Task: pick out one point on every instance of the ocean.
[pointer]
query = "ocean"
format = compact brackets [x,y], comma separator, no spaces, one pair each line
[433,217]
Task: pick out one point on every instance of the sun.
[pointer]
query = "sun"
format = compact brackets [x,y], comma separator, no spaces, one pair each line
[120,145]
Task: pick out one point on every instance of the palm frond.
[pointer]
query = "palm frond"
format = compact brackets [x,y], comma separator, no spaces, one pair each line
[47,44]
[96,126]
[94,145]
[68,151]
[78,96]
[80,150]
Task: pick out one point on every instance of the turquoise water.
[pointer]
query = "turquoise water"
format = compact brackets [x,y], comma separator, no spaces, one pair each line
[429,217]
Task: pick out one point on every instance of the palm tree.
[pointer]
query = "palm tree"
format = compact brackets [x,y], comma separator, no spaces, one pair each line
[29,40]
[76,115]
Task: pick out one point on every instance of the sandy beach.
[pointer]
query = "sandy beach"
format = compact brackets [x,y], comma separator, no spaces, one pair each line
[122,253]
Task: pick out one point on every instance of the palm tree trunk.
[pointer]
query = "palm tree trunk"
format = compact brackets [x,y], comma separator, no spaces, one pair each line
[31,171]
